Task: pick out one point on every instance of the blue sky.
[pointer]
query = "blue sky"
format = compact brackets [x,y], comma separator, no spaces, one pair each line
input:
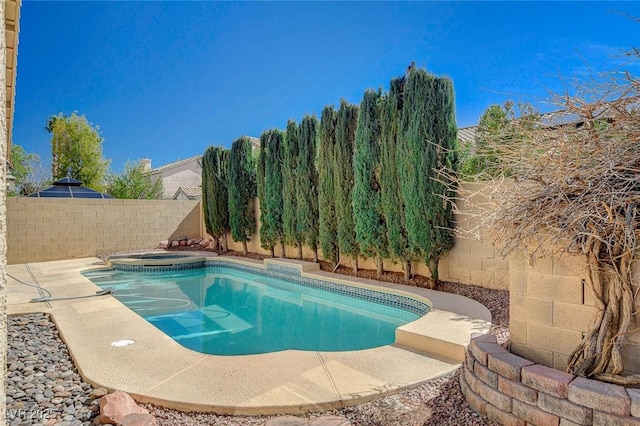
[165,80]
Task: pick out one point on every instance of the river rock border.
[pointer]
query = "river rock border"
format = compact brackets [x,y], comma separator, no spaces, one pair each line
[511,390]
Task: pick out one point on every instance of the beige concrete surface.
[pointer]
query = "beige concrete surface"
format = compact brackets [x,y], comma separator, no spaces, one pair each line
[157,369]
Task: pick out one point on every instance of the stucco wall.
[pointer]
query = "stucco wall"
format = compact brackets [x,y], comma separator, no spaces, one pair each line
[186,174]
[42,229]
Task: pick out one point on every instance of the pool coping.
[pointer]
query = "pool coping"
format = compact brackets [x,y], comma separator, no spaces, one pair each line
[156,369]
[176,259]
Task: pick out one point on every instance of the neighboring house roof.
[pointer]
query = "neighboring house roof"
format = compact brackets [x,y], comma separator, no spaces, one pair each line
[69,188]
[175,164]
[190,192]
[468,134]
[548,119]
[187,172]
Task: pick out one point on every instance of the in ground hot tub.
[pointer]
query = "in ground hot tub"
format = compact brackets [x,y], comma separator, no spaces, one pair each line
[156,261]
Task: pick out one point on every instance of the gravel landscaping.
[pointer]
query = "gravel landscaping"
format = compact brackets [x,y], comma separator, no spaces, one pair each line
[44,387]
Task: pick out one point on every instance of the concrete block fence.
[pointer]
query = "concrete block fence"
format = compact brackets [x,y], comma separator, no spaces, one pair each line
[513,391]
[44,229]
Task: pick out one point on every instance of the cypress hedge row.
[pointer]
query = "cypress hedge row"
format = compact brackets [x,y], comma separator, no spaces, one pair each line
[364,181]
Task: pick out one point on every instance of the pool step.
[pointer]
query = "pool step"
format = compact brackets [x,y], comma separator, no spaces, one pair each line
[446,340]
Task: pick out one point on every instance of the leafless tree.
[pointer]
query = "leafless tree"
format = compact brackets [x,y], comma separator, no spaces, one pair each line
[569,182]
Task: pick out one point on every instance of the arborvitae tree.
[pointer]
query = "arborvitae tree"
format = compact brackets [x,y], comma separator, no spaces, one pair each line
[346,123]
[307,208]
[273,194]
[242,191]
[427,143]
[390,191]
[215,197]
[266,240]
[289,187]
[367,208]
[328,235]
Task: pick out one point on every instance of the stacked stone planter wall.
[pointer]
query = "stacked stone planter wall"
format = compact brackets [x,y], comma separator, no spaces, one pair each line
[511,390]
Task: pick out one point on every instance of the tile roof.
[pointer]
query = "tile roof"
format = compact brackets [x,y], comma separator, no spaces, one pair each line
[549,119]
[175,164]
[255,143]
[192,192]
[467,134]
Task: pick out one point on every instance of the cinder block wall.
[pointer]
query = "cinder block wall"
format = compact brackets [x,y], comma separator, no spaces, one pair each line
[43,229]
[550,308]
[469,262]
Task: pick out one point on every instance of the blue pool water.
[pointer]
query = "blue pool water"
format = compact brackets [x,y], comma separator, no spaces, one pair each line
[224,311]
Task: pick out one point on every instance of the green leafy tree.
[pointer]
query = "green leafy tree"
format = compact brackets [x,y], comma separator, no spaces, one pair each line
[20,164]
[134,183]
[478,157]
[367,205]
[242,191]
[76,147]
[28,172]
[215,196]
[427,144]
[328,226]
[497,130]
[390,191]
[493,124]
[307,188]
[270,189]
[289,187]
[346,123]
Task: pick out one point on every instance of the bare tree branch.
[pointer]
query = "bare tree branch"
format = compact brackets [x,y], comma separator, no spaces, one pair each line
[569,182]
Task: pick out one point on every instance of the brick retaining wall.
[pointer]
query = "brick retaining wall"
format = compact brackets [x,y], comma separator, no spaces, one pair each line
[511,390]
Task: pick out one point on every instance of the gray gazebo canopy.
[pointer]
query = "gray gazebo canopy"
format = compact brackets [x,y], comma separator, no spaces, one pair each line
[69,188]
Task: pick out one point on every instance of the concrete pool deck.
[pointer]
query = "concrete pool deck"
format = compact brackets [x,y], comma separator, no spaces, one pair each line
[156,369]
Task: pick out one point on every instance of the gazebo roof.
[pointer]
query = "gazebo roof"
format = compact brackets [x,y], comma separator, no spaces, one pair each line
[69,188]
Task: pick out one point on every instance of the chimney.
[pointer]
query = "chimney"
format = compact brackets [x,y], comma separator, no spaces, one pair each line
[146,164]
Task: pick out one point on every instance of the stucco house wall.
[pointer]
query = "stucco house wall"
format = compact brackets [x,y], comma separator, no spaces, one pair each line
[187,172]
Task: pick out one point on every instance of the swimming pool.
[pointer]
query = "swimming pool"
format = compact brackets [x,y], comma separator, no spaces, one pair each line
[227,310]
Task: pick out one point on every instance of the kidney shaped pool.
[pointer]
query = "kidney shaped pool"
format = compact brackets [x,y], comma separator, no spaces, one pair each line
[222,310]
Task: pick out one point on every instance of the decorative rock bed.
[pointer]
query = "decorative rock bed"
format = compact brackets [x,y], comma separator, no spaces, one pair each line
[511,390]
[192,243]
[43,385]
